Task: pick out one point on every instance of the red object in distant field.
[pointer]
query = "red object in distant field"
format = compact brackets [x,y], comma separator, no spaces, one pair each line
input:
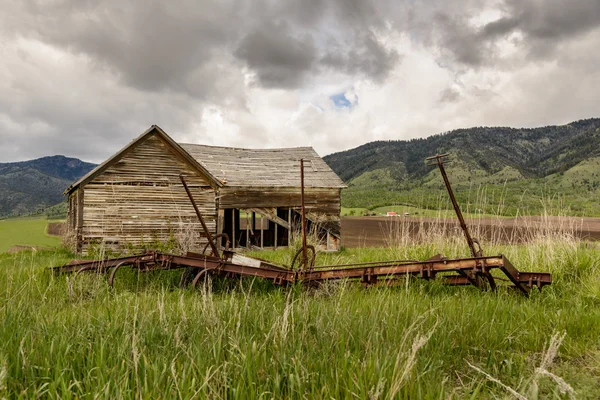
[392,214]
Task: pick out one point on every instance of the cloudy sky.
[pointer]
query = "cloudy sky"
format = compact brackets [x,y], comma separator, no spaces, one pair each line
[84,77]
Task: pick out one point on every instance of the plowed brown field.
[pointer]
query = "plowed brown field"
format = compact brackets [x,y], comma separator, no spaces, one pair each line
[382,231]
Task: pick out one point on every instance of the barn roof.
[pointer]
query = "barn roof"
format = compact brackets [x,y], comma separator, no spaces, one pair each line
[264,167]
[227,166]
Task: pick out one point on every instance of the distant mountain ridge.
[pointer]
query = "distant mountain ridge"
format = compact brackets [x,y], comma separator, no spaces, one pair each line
[535,152]
[28,186]
[563,160]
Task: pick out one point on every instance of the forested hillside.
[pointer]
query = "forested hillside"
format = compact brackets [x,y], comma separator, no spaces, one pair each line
[556,164]
[32,186]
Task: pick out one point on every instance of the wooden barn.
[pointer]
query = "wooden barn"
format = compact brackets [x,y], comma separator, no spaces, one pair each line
[136,198]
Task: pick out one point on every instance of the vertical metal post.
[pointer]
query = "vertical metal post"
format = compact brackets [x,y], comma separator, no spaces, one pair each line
[276,236]
[248,222]
[262,232]
[289,232]
[304,257]
[233,235]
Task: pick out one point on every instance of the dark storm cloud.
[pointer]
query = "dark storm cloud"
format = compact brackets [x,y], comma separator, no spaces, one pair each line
[284,53]
[449,95]
[544,20]
[543,26]
[279,59]
[150,45]
[368,57]
[459,39]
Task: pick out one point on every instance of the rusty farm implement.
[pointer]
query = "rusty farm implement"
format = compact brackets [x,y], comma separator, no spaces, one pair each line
[476,270]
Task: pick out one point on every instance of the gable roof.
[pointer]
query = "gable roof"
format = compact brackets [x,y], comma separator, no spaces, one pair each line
[154,129]
[228,166]
[264,167]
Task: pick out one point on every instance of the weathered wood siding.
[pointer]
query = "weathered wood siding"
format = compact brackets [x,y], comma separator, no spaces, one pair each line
[140,199]
[71,211]
[326,200]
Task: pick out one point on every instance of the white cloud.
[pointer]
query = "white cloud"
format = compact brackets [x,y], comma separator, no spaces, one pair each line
[69,85]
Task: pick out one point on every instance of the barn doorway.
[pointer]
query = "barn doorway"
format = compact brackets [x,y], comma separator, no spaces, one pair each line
[262,228]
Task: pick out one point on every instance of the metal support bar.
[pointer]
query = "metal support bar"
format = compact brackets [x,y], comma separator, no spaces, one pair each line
[470,241]
[213,246]
[304,256]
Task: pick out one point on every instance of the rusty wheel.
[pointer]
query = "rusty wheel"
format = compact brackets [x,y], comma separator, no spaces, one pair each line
[200,274]
[299,252]
[83,269]
[111,277]
[490,282]
[188,276]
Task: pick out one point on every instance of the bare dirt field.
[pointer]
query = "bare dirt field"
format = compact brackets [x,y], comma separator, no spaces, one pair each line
[56,228]
[383,231]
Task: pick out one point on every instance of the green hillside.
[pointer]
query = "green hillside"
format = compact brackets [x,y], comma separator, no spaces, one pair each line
[30,187]
[496,170]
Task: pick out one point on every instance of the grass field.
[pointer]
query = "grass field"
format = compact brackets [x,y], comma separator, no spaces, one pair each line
[26,232]
[74,337]
[345,211]
[523,197]
[413,211]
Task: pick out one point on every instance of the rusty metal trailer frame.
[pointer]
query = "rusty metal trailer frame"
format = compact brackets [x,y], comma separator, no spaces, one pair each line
[373,273]
[476,270]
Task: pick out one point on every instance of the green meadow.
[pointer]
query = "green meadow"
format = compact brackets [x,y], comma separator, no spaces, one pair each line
[25,232]
[75,337]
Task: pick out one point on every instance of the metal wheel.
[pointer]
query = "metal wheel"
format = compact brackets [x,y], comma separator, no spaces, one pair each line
[111,277]
[200,274]
[299,252]
[188,276]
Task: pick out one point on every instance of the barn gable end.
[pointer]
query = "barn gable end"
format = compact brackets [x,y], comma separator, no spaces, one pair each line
[138,199]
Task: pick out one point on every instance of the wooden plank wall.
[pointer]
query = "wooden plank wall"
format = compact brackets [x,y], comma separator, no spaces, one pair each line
[71,216]
[318,200]
[140,199]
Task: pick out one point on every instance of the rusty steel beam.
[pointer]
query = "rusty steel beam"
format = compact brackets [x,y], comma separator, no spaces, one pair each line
[439,161]
[209,237]
[102,264]
[304,255]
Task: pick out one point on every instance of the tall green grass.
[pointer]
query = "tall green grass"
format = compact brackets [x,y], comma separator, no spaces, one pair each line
[74,337]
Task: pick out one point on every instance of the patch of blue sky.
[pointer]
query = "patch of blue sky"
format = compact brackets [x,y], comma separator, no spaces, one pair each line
[340,101]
